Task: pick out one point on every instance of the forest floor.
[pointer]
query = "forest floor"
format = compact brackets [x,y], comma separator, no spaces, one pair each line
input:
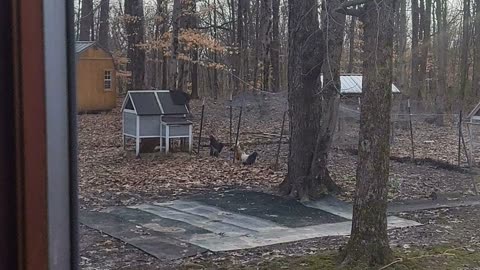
[111,176]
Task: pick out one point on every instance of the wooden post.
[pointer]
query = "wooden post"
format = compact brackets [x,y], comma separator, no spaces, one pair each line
[280,140]
[411,129]
[238,129]
[201,126]
[459,136]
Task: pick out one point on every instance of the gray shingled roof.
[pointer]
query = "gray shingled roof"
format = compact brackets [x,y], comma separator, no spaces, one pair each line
[81,46]
[352,84]
[145,102]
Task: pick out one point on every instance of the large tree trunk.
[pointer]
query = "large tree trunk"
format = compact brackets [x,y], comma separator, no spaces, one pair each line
[86,20]
[312,113]
[368,242]
[104,29]
[333,25]
[476,51]
[134,27]
[275,49]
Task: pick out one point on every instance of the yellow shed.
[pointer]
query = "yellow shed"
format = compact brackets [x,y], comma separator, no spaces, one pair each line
[96,84]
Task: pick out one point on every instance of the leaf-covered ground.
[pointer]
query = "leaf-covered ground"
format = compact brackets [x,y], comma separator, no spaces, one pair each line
[109,175]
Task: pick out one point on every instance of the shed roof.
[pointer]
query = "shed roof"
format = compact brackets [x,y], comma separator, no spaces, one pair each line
[352,84]
[153,102]
[81,46]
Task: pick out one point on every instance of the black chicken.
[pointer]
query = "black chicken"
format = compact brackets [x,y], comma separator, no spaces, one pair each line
[251,159]
[215,146]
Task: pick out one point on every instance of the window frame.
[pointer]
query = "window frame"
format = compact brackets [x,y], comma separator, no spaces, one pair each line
[110,71]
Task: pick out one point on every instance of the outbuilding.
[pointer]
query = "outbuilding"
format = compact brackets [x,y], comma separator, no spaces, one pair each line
[155,114]
[96,84]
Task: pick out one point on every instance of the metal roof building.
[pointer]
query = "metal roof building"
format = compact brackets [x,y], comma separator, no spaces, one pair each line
[352,85]
[155,114]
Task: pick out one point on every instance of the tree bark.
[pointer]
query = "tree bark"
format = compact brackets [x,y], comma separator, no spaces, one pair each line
[194,73]
[476,51]
[134,27]
[275,49]
[104,28]
[368,244]
[86,20]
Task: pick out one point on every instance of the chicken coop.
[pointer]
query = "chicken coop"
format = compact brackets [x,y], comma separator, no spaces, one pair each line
[158,114]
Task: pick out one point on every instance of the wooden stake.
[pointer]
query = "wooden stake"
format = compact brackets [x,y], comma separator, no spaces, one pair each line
[280,140]
[201,126]
[411,130]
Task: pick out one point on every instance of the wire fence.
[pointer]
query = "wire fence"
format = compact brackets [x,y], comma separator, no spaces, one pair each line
[418,133]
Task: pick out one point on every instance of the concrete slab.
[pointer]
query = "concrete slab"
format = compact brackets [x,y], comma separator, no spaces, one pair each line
[219,215]
[152,242]
[216,243]
[172,228]
[284,211]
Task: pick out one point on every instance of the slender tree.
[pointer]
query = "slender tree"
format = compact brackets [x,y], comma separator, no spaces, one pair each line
[464,66]
[275,48]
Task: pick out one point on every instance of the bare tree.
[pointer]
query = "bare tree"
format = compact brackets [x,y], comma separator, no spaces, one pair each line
[104,28]
[464,66]
[86,21]
[134,28]
[275,48]
[368,242]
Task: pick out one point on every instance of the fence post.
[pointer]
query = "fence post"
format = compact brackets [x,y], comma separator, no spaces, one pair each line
[280,141]
[411,129]
[201,126]
[238,129]
[459,136]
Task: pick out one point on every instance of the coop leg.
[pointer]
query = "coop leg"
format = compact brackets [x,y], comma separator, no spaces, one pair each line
[123,142]
[190,139]
[167,139]
[137,146]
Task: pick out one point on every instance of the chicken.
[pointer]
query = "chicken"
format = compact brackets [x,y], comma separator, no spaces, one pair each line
[215,146]
[240,155]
